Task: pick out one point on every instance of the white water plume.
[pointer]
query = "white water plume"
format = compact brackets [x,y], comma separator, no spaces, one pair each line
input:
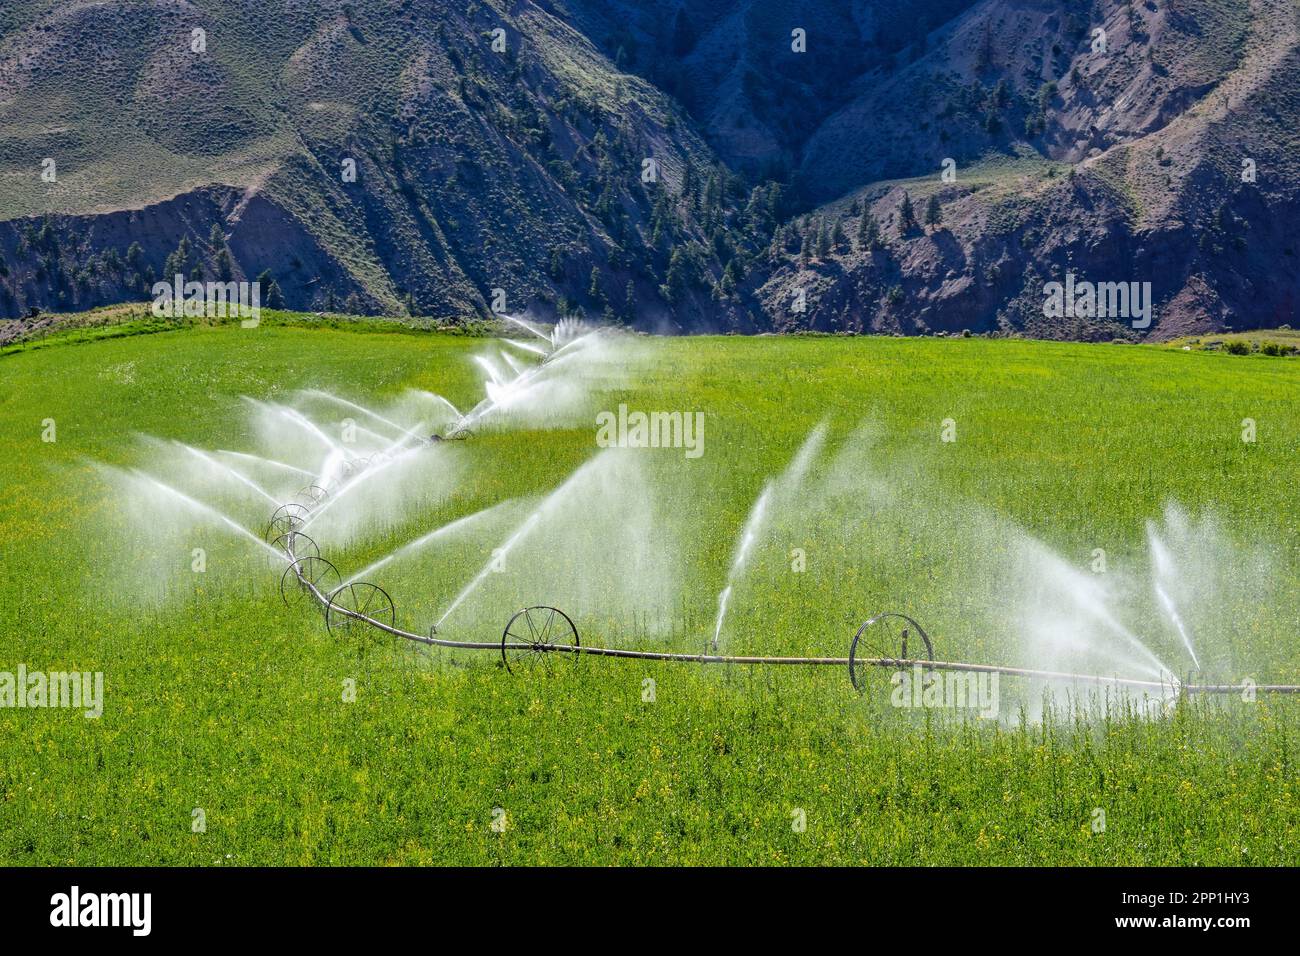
[438,401]
[423,541]
[790,480]
[1069,618]
[567,331]
[206,510]
[370,485]
[225,469]
[748,535]
[296,418]
[498,555]
[526,346]
[515,365]
[259,460]
[368,412]
[527,326]
[602,545]
[399,483]
[555,392]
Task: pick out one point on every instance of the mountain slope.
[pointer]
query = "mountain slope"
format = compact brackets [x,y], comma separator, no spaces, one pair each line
[676,164]
[475,168]
[1118,185]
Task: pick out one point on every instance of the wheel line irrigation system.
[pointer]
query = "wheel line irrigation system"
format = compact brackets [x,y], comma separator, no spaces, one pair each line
[354,602]
[524,641]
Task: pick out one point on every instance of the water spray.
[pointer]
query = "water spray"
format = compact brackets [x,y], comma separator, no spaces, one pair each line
[539,635]
[533,636]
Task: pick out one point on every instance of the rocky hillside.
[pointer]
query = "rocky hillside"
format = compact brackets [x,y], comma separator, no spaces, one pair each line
[1166,157]
[401,157]
[678,164]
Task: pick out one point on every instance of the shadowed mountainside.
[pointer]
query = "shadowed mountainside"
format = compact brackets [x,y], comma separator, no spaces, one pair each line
[677,164]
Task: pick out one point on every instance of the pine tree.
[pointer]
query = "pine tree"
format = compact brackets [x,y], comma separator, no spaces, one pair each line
[688,181]
[728,281]
[272,298]
[176,263]
[906,216]
[933,211]
[629,303]
[675,283]
[225,267]
[868,231]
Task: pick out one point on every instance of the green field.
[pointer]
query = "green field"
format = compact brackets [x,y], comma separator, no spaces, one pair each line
[219,698]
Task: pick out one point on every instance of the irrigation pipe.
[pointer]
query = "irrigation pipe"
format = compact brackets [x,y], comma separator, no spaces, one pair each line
[327,603]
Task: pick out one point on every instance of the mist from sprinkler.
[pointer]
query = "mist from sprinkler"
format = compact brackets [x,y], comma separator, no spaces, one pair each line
[418,544]
[259,460]
[791,479]
[1163,570]
[368,412]
[231,472]
[297,418]
[358,481]
[205,509]
[548,504]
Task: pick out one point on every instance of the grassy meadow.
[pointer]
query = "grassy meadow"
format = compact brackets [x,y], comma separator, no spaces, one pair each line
[220,699]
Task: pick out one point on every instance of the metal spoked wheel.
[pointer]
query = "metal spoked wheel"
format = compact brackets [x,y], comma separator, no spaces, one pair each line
[891,637]
[532,636]
[286,518]
[312,495]
[368,600]
[304,574]
[295,544]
